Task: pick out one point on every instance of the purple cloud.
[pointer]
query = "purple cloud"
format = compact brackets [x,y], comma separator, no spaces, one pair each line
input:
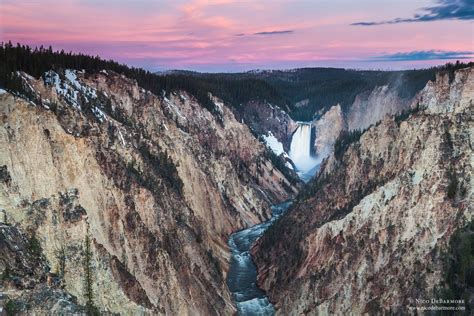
[274,32]
[445,10]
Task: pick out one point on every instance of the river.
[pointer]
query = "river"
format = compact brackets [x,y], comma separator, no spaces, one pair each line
[242,276]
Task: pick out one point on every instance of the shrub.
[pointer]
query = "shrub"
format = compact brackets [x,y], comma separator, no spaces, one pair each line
[344,140]
[404,115]
[214,261]
[61,257]
[452,186]
[459,263]
[163,166]
[280,164]
[11,308]
[34,246]
[6,273]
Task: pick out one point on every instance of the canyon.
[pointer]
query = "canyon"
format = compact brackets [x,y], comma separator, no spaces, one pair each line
[180,203]
[157,182]
[369,234]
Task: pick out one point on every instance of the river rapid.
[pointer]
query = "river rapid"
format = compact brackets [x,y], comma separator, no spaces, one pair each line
[242,276]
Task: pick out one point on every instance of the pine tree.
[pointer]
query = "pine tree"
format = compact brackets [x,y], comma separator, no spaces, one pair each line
[91,309]
[34,245]
[61,256]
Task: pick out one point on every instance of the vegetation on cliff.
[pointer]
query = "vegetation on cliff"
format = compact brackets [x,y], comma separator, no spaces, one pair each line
[37,61]
[459,267]
[321,87]
[344,140]
[91,309]
[374,215]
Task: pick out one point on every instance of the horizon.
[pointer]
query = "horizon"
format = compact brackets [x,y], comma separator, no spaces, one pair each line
[211,36]
[441,63]
[255,70]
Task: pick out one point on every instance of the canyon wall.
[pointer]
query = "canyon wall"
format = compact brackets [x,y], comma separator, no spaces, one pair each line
[370,107]
[157,182]
[369,234]
[263,117]
[327,129]
[367,109]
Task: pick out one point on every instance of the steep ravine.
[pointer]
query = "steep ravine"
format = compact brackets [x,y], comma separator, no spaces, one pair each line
[368,109]
[158,182]
[242,276]
[368,235]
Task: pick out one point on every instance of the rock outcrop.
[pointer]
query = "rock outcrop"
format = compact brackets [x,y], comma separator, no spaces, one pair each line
[263,117]
[367,109]
[448,93]
[328,127]
[158,182]
[27,283]
[369,235]
[371,107]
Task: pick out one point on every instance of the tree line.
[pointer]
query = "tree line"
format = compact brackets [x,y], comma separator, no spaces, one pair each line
[36,61]
[322,87]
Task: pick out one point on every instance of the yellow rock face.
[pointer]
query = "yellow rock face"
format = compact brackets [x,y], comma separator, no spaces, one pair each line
[157,247]
[370,237]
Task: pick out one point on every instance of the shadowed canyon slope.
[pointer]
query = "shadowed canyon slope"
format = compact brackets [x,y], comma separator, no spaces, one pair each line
[158,182]
[368,235]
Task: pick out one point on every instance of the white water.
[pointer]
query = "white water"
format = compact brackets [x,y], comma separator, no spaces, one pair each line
[300,151]
[242,275]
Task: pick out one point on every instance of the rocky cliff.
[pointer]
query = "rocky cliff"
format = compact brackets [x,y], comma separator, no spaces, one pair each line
[369,234]
[327,129]
[371,107]
[157,182]
[263,117]
[367,109]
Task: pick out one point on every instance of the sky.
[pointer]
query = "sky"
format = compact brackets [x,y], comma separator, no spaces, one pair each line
[231,36]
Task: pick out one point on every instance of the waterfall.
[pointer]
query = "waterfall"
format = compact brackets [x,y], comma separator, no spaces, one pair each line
[300,150]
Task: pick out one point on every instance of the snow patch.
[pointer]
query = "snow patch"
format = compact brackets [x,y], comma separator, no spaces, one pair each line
[172,106]
[121,138]
[417,176]
[273,143]
[70,88]
[71,76]
[219,106]
[62,88]
[99,114]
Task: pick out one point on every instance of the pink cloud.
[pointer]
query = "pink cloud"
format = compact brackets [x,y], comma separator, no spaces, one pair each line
[187,34]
